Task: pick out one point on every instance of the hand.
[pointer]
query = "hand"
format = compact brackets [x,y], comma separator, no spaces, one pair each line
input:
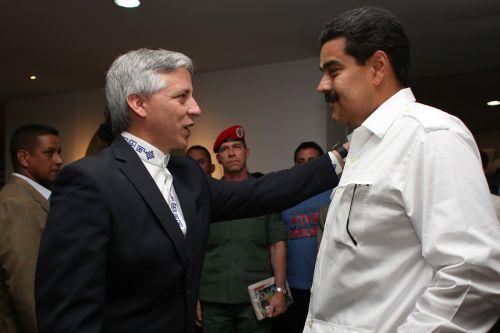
[198,319]
[277,305]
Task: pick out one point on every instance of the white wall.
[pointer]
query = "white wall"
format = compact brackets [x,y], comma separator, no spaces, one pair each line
[276,104]
[76,116]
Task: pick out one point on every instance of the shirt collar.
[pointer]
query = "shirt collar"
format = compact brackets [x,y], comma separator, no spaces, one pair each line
[146,151]
[382,118]
[42,190]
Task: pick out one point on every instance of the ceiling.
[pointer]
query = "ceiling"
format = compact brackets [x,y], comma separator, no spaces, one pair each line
[69,44]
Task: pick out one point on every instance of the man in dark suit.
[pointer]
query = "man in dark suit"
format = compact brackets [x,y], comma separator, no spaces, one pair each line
[125,237]
[34,151]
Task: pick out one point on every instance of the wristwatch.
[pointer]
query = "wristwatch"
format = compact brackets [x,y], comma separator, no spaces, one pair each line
[281,290]
[339,148]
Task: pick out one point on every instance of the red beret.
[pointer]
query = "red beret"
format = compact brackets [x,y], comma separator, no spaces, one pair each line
[233,133]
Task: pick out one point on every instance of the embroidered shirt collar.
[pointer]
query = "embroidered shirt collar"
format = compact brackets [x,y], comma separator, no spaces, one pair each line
[146,151]
[41,189]
[382,118]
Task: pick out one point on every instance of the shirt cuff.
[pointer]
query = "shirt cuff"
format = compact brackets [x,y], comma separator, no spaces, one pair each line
[335,163]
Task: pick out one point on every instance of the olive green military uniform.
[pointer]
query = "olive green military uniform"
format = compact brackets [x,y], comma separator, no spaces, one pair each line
[237,256]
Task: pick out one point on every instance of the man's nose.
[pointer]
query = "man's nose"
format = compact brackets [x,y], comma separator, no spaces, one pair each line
[57,159]
[194,108]
[325,84]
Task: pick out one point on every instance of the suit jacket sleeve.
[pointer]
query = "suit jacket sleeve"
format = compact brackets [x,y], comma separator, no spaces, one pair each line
[74,244]
[273,192]
[19,240]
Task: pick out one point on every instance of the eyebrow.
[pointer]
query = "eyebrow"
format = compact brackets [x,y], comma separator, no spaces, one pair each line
[329,64]
[182,91]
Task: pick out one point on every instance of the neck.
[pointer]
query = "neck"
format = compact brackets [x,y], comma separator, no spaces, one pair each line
[384,92]
[26,174]
[387,91]
[237,176]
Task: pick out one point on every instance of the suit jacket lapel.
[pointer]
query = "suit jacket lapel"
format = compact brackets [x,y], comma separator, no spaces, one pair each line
[133,168]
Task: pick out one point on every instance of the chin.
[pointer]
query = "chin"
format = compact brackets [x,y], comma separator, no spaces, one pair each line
[337,120]
[182,144]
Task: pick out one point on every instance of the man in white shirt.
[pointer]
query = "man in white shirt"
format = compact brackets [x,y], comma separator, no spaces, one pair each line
[411,238]
[35,154]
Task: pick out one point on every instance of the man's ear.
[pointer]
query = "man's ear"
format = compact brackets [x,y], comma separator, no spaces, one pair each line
[380,66]
[23,157]
[218,158]
[136,103]
[212,168]
[247,150]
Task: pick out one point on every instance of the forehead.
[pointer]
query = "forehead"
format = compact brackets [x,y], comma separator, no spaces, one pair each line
[228,144]
[306,152]
[334,51]
[180,78]
[47,141]
[198,154]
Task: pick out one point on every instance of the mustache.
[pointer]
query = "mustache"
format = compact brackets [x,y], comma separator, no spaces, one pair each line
[331,97]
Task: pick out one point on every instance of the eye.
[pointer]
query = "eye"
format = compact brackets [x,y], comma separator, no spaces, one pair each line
[181,96]
[332,71]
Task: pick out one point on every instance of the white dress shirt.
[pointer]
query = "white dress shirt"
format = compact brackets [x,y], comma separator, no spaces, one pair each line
[156,163]
[411,242]
[42,190]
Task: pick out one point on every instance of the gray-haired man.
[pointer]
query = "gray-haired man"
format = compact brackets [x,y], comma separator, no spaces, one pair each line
[126,233]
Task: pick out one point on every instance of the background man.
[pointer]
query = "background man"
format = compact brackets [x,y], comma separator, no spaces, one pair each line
[412,242]
[126,233]
[301,222]
[35,155]
[201,155]
[496,199]
[240,254]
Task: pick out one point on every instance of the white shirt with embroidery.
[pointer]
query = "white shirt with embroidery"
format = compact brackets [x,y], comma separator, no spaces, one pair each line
[156,162]
[411,241]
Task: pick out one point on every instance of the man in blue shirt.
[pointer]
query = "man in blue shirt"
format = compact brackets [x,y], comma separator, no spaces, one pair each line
[301,222]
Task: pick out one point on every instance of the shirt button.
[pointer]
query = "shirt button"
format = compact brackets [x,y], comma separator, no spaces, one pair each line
[187,291]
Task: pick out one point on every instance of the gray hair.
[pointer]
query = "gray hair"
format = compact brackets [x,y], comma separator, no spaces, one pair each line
[138,72]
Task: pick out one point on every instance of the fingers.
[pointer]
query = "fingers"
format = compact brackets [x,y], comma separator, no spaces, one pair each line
[198,320]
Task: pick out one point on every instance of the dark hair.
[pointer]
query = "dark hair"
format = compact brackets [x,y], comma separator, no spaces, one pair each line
[306,145]
[484,159]
[26,137]
[201,148]
[367,30]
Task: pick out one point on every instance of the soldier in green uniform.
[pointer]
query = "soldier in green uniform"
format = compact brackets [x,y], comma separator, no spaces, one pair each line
[240,254]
